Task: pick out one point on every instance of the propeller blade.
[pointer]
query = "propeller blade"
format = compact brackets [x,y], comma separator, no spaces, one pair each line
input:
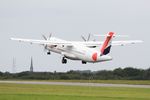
[89,37]
[50,35]
[44,37]
[83,38]
[45,48]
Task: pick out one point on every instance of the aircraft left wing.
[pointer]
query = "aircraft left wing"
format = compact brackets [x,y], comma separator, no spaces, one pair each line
[122,43]
[42,42]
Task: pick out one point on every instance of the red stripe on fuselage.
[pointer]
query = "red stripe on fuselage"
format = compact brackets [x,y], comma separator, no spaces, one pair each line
[94,56]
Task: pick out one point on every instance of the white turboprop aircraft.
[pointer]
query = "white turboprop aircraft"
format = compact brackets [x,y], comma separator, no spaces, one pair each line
[88,51]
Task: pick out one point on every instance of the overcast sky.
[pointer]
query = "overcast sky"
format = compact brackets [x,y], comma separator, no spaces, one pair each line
[69,19]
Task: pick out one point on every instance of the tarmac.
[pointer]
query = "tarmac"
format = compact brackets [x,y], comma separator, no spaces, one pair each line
[77,84]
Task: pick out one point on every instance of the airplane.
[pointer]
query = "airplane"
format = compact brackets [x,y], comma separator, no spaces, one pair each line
[84,51]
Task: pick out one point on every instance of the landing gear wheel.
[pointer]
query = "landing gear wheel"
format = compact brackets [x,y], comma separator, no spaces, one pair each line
[48,53]
[83,62]
[64,60]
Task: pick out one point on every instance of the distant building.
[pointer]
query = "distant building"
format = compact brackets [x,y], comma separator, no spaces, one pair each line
[31,65]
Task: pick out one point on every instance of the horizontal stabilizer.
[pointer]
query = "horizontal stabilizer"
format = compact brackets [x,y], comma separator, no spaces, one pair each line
[113,36]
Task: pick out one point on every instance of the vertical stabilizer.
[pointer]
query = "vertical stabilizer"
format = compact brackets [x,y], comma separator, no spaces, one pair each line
[105,49]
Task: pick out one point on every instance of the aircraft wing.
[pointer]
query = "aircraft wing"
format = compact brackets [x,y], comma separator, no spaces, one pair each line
[42,42]
[70,43]
[114,43]
[122,43]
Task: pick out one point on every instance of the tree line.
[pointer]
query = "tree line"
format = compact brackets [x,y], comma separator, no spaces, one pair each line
[128,73]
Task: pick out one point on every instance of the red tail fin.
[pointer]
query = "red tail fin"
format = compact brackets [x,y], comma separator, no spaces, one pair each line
[105,49]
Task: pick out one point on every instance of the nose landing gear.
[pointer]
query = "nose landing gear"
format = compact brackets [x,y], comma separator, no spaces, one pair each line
[48,53]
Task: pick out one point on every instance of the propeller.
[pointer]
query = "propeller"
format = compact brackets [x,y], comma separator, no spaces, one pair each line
[46,38]
[86,39]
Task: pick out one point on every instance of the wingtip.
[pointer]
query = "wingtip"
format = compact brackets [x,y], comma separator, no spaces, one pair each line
[11,38]
[140,40]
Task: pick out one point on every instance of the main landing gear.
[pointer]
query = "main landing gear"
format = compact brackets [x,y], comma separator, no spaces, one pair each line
[64,60]
[83,62]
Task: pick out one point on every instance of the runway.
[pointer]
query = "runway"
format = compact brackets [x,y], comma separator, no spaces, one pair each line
[77,84]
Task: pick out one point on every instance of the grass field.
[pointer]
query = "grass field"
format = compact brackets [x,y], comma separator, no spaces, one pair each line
[53,92]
